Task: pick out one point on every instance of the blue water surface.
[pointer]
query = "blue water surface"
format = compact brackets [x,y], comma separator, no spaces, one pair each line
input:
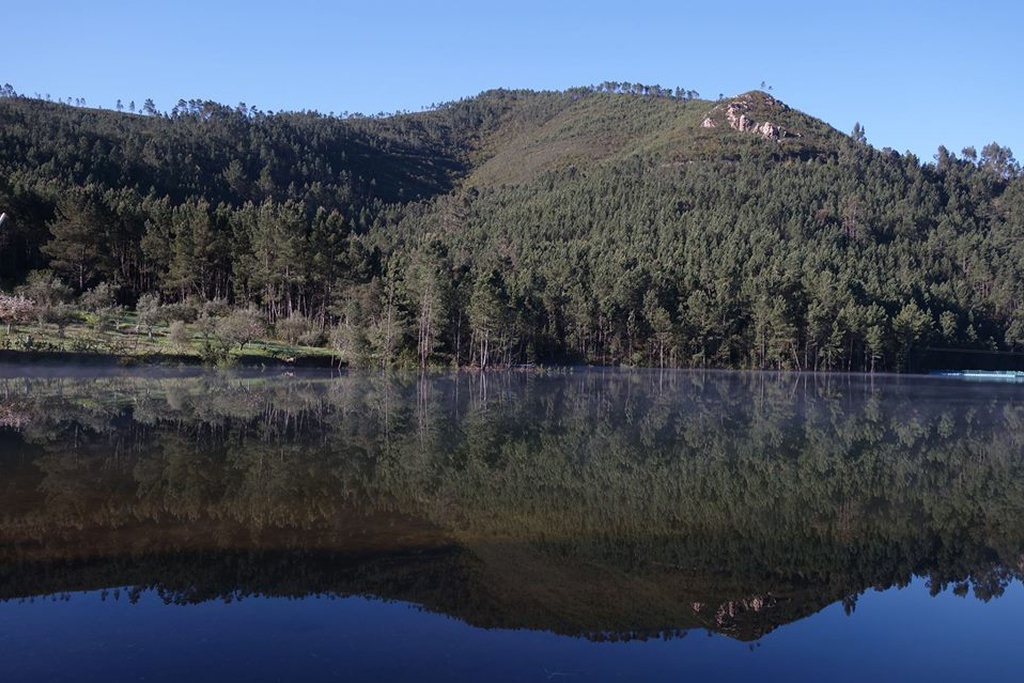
[902,634]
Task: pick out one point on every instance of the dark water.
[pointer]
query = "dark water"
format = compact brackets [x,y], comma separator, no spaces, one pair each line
[585,526]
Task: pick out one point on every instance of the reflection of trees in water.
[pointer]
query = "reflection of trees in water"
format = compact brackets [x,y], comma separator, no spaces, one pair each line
[748,495]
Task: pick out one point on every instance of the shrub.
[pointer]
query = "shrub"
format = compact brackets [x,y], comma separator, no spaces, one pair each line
[15,309]
[241,327]
[292,328]
[179,336]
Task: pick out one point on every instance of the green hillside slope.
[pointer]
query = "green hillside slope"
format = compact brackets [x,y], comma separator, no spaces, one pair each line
[612,224]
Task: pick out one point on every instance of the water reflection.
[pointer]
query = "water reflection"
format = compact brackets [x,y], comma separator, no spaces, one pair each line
[615,505]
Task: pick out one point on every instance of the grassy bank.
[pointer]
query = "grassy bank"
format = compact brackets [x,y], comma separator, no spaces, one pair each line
[125,341]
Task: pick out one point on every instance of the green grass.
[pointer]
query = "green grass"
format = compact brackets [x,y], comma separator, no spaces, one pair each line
[125,339]
[609,128]
[598,128]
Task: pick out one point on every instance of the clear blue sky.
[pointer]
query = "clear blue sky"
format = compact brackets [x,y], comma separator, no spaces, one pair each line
[914,74]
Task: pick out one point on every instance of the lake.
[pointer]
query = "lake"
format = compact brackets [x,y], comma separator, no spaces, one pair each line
[582,525]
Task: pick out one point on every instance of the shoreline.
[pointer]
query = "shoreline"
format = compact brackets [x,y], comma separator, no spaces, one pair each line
[90,359]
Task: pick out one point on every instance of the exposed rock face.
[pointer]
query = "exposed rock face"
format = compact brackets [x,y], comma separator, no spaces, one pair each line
[769,131]
[737,116]
[738,120]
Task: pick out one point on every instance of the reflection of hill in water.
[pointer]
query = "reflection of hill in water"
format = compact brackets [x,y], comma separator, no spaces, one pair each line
[606,504]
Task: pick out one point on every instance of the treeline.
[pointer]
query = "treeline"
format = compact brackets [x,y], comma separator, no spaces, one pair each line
[646,90]
[636,237]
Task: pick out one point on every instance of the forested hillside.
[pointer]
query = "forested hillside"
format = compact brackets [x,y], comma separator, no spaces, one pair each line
[618,224]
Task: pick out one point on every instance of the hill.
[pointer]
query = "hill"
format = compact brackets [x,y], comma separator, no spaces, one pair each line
[619,224]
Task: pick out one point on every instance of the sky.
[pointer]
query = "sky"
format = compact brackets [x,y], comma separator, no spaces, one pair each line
[915,75]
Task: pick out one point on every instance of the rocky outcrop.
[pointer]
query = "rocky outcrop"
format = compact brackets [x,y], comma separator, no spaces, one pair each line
[738,120]
[770,131]
[738,114]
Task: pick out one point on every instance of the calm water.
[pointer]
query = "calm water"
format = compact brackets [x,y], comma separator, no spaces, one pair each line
[585,526]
